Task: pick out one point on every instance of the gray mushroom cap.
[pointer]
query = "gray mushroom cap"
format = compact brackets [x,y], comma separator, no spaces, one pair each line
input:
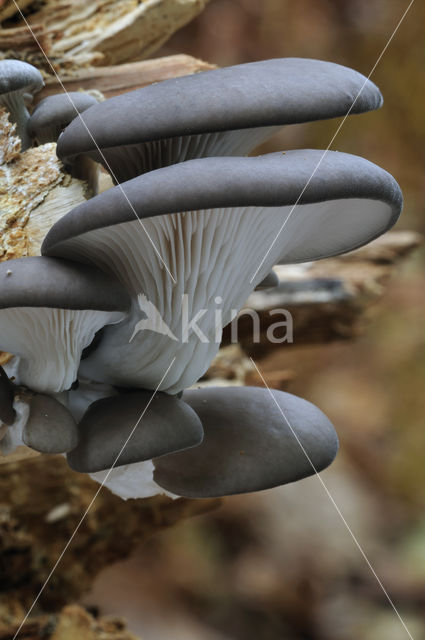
[18,80]
[167,424]
[258,95]
[55,112]
[360,200]
[60,284]
[7,412]
[248,444]
[50,310]
[50,427]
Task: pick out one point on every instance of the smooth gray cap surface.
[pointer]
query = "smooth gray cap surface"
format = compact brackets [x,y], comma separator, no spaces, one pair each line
[7,390]
[55,112]
[50,427]
[167,424]
[257,94]
[272,180]
[16,75]
[248,445]
[61,284]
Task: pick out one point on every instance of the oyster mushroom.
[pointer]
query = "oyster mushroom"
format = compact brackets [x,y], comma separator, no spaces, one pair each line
[54,113]
[248,444]
[213,220]
[18,82]
[49,311]
[222,112]
[50,427]
[167,424]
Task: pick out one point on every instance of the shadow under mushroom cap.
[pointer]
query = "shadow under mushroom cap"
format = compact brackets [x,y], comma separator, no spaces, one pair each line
[254,439]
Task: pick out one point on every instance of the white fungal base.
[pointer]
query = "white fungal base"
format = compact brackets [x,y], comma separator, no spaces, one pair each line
[132,481]
[49,343]
[125,162]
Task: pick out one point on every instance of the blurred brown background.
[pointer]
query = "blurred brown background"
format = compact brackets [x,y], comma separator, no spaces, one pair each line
[281,564]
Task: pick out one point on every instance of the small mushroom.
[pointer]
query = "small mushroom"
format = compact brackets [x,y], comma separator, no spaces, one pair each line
[18,82]
[50,427]
[248,444]
[54,113]
[50,311]
[213,222]
[222,112]
[167,424]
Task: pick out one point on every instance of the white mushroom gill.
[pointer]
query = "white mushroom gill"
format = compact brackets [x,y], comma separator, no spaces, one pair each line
[131,160]
[49,343]
[213,255]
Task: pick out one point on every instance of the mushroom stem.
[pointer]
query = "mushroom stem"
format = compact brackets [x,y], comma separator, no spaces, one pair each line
[14,103]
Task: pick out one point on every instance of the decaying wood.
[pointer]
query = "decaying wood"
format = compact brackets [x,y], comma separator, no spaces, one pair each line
[82,34]
[328,299]
[35,192]
[112,81]
[71,623]
[41,502]
[8,8]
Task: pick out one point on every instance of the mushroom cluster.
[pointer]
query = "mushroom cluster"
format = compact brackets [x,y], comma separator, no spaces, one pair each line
[112,327]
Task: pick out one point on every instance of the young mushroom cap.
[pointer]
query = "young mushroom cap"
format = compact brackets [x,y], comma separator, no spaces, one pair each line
[167,424]
[222,112]
[54,113]
[248,444]
[18,80]
[50,310]
[213,222]
[50,427]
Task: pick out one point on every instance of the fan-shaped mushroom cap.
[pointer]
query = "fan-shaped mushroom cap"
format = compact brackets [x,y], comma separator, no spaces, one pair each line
[166,424]
[17,79]
[7,412]
[54,113]
[50,427]
[49,311]
[248,444]
[222,112]
[227,219]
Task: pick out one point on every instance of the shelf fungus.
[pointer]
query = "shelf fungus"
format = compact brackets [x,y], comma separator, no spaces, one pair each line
[50,311]
[52,114]
[167,425]
[223,112]
[254,439]
[189,248]
[124,311]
